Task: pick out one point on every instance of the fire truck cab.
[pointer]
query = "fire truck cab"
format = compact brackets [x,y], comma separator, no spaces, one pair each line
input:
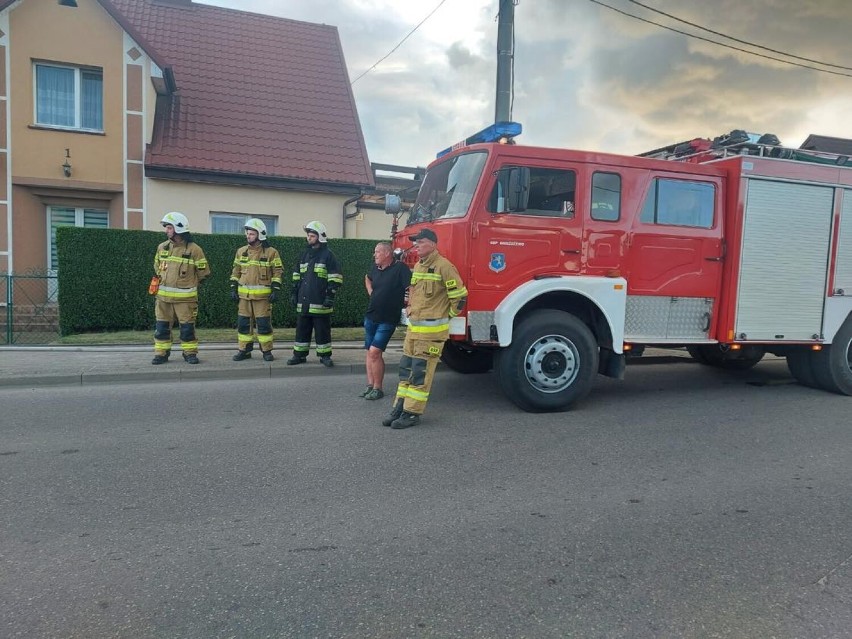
[575,259]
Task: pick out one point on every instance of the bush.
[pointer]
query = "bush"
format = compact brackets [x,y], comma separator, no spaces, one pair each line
[104,276]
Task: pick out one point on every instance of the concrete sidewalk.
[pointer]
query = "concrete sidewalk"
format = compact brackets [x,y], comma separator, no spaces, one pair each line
[22,366]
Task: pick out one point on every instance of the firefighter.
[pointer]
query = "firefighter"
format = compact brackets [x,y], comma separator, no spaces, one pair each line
[316,278]
[181,266]
[255,285]
[436,294]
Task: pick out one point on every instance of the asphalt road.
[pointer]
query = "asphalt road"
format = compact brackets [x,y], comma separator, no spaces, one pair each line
[682,502]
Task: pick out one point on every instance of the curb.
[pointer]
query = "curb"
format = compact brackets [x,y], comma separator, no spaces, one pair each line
[190,375]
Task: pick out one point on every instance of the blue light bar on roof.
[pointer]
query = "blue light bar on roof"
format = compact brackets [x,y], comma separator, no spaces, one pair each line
[498,132]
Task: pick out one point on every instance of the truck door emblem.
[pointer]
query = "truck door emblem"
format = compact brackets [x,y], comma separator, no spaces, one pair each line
[498,262]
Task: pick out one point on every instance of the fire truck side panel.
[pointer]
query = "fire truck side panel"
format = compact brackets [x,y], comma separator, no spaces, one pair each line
[843,271]
[783,261]
[838,305]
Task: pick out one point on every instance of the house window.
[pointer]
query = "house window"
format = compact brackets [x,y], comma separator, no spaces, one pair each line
[679,203]
[234,223]
[69,97]
[71,216]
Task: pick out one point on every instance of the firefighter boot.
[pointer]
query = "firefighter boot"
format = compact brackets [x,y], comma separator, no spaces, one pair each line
[161,359]
[241,355]
[296,359]
[268,356]
[406,420]
[395,413]
[190,358]
[325,360]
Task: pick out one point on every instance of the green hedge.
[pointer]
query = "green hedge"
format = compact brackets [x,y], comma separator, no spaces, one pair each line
[104,276]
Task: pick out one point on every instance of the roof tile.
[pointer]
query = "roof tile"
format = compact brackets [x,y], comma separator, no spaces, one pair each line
[256,95]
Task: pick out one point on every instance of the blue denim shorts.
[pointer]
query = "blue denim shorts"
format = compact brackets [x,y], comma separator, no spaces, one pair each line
[377,334]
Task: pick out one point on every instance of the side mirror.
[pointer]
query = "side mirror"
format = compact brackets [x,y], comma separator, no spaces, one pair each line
[518,188]
[393,204]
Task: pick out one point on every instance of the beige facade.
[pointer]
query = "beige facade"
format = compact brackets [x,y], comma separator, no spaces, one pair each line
[292,209]
[50,171]
[81,172]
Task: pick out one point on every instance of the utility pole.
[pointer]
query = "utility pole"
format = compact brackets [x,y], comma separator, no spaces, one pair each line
[505,61]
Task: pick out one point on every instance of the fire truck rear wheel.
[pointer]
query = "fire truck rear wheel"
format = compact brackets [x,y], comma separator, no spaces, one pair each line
[832,365]
[799,363]
[550,364]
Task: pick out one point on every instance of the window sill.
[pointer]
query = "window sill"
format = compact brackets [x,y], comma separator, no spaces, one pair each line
[45,127]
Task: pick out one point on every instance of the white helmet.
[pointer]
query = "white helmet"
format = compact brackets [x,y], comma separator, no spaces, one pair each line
[319,229]
[177,220]
[257,225]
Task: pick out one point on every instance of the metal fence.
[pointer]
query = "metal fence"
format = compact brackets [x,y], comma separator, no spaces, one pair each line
[30,308]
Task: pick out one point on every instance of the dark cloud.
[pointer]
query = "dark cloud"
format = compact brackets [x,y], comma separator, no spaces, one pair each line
[588,77]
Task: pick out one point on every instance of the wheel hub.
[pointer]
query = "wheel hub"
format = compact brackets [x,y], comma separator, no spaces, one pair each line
[552,363]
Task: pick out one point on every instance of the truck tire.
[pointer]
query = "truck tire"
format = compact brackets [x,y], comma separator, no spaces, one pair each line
[718,356]
[832,365]
[799,363]
[550,364]
[469,361]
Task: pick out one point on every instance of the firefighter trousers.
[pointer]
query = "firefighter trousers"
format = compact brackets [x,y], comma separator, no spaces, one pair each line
[320,326]
[417,370]
[255,314]
[167,313]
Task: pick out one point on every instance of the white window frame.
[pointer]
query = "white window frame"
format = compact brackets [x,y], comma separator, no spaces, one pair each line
[78,96]
[79,222]
[267,219]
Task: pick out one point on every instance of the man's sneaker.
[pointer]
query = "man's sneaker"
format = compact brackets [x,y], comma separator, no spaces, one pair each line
[268,356]
[376,393]
[395,413]
[326,361]
[406,420]
[296,359]
[241,355]
[160,359]
[365,392]
[190,358]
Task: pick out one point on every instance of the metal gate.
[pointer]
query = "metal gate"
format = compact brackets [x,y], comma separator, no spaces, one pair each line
[31,309]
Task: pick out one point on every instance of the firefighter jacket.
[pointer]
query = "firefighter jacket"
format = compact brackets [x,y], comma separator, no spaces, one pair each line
[437,294]
[181,267]
[257,270]
[316,278]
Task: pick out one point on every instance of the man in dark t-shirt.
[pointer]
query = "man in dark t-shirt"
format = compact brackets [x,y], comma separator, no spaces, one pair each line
[386,285]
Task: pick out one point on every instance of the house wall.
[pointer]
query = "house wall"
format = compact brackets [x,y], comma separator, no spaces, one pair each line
[292,208]
[44,31]
[107,168]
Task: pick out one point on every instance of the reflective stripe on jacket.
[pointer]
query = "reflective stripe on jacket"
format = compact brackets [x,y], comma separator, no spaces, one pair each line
[180,267]
[316,277]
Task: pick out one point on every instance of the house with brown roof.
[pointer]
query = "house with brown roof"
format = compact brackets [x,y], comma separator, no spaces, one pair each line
[114,112]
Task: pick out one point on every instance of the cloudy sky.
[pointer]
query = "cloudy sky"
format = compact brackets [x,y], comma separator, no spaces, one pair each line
[586,76]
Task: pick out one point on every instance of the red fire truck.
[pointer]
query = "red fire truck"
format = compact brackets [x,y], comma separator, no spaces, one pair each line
[575,259]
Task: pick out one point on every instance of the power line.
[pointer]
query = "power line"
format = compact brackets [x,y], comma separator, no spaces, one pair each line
[399,44]
[721,44]
[746,42]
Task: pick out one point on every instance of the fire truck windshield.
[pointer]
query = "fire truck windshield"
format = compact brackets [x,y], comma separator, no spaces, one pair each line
[448,188]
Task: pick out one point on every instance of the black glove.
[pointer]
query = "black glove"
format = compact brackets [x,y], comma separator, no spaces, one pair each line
[294,299]
[329,302]
[273,296]
[234,295]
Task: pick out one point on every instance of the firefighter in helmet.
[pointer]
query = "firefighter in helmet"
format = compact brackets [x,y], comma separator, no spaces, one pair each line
[316,278]
[255,284]
[436,295]
[181,266]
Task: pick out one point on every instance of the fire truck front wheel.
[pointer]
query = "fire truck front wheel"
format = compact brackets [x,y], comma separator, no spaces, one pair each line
[551,362]
[832,365]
